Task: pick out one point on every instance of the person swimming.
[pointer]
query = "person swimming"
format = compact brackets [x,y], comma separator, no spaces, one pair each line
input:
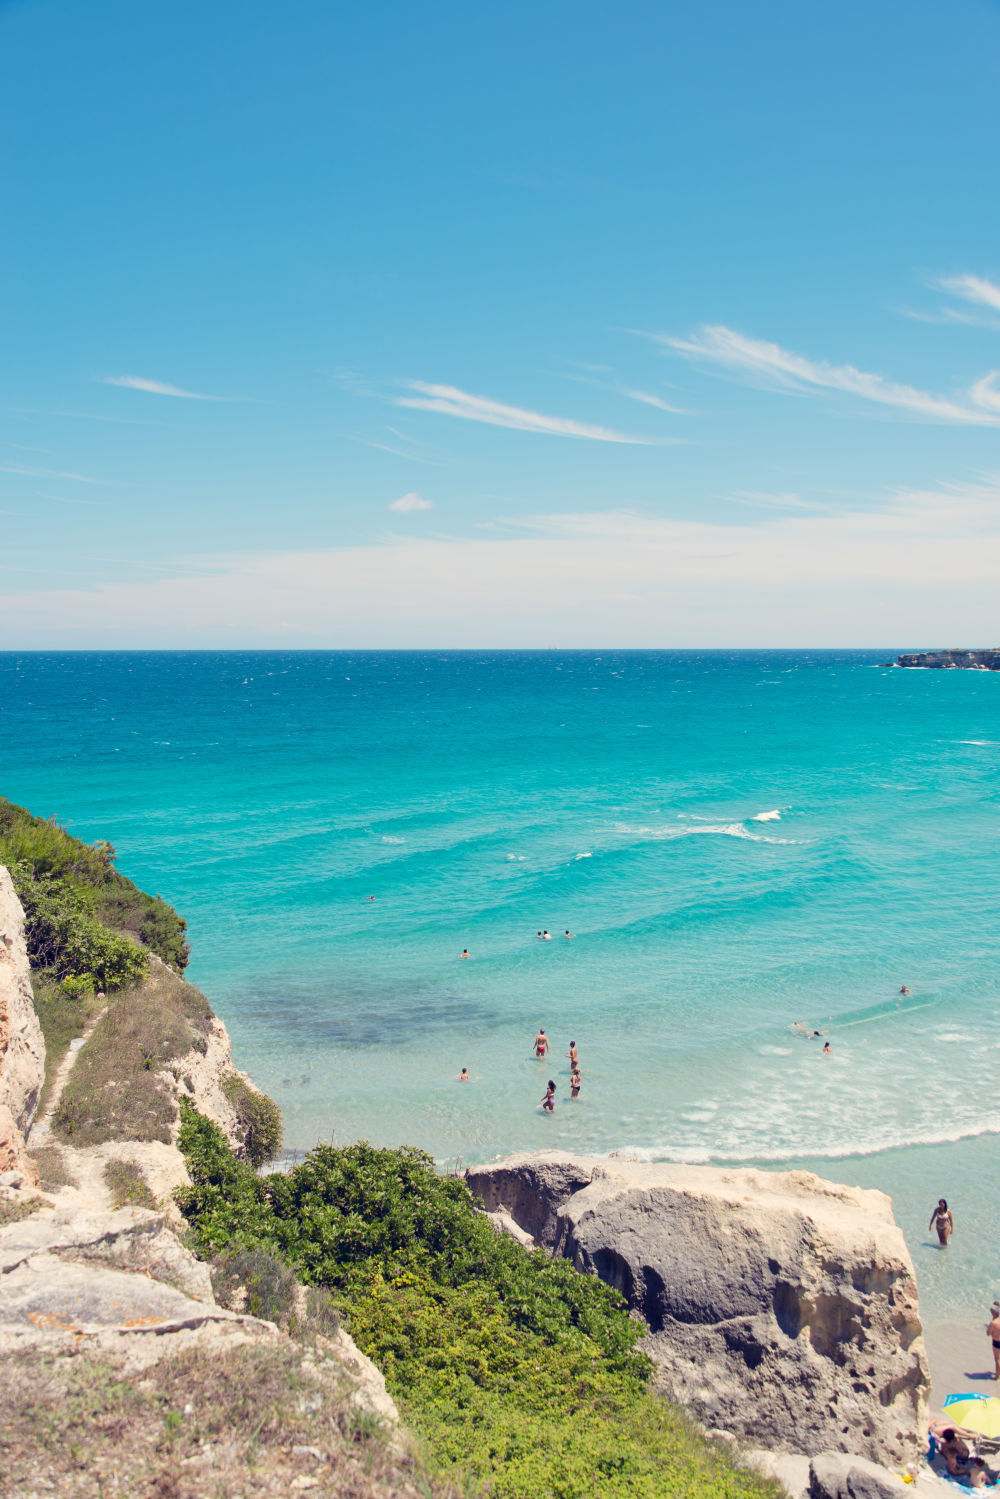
[827,1049]
[567,933]
[465,953]
[546,936]
[548,1103]
[463,1076]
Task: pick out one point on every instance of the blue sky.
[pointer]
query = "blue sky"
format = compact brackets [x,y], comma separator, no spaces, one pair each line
[548,324]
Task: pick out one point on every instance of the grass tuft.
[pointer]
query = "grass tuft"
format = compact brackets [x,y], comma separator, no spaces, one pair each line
[127,1184]
[116,1090]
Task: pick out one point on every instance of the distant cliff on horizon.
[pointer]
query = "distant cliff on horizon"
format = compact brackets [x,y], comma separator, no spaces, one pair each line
[980,660]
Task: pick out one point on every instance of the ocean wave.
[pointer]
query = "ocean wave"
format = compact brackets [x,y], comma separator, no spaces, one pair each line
[774,816]
[582,856]
[717,1154]
[720,829]
[388,838]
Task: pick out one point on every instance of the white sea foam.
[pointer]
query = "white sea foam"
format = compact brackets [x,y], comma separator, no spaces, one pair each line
[388,838]
[583,856]
[774,1051]
[976,741]
[721,829]
[774,816]
[517,858]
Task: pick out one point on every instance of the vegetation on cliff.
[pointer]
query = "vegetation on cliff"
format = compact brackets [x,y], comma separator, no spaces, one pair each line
[520,1374]
[88,927]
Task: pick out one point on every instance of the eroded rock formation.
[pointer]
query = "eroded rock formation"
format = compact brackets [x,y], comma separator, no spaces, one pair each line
[22,1050]
[780,1306]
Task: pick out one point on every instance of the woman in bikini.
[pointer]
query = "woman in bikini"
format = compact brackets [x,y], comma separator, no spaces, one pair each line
[548,1103]
[575,1080]
[942,1220]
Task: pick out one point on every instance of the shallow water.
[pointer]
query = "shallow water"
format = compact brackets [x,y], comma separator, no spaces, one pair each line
[736,841]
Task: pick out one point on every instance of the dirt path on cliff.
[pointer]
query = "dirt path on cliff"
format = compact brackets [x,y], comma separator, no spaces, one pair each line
[41,1129]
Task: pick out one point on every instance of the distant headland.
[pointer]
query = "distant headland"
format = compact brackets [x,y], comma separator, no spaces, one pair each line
[984,660]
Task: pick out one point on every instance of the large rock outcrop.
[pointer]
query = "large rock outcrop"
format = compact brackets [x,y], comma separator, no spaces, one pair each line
[22,1050]
[780,1306]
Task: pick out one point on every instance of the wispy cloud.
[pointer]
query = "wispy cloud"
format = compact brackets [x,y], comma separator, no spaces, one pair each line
[768,500]
[157,387]
[780,368]
[906,567]
[411,501]
[451,401]
[47,473]
[973,289]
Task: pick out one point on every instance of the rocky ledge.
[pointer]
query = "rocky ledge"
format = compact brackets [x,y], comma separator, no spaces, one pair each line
[781,1308]
[952,660]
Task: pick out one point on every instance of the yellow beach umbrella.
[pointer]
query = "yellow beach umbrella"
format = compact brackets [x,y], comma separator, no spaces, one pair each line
[982,1416]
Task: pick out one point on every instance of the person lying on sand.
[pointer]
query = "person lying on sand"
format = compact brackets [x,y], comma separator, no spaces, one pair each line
[954,1451]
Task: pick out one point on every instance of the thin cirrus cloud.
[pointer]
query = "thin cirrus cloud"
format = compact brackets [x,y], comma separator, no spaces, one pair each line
[451,401]
[973,289]
[767,362]
[157,388]
[409,502]
[47,473]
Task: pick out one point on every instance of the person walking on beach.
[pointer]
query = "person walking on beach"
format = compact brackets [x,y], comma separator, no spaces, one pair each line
[541,1045]
[576,1078]
[993,1333]
[548,1103]
[942,1220]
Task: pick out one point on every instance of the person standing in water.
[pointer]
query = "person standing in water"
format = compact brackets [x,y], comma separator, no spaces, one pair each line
[463,1076]
[541,1045]
[548,1103]
[574,1057]
[575,1080]
[942,1220]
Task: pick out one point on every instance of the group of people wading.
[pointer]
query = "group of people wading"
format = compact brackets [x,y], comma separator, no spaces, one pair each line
[542,1049]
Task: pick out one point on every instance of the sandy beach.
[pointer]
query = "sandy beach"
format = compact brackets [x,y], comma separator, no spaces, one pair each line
[960,1358]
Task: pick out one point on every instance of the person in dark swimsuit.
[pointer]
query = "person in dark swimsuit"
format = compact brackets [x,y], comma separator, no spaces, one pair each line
[993,1333]
[942,1220]
[549,1101]
[575,1080]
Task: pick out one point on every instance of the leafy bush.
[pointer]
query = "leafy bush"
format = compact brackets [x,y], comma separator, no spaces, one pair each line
[66,940]
[80,903]
[519,1372]
[258,1119]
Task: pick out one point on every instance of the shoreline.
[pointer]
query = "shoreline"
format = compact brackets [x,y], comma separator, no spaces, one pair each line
[960,1360]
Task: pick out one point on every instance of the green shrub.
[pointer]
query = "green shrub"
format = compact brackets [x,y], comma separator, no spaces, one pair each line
[66,940]
[520,1373]
[80,903]
[258,1120]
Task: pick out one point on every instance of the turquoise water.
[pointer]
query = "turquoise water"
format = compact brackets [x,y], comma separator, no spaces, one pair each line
[736,840]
